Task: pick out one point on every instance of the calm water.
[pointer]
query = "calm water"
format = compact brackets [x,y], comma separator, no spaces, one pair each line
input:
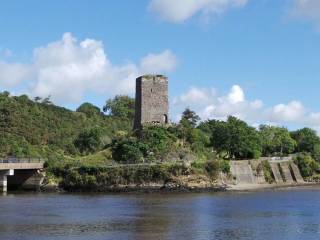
[293,214]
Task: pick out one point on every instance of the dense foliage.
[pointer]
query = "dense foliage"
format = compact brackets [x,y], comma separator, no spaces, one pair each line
[234,137]
[307,165]
[307,141]
[38,128]
[276,141]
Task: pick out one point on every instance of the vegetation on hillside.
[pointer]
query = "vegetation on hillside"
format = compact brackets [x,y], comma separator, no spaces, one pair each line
[89,137]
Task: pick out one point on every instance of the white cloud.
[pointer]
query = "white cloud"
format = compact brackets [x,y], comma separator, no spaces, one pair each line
[195,95]
[12,74]
[307,9]
[292,112]
[155,63]
[209,104]
[180,10]
[236,95]
[68,68]
[213,106]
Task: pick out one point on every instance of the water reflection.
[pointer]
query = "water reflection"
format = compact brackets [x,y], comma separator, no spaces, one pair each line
[263,215]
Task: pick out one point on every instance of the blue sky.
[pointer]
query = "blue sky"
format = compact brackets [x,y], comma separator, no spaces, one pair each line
[256,59]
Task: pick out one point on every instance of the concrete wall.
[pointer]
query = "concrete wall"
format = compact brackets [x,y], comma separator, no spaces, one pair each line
[22,165]
[243,172]
[249,172]
[3,181]
[285,167]
[276,172]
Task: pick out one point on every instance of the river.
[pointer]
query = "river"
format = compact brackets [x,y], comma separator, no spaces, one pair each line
[282,214]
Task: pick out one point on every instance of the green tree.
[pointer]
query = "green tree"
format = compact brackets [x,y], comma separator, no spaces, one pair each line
[234,137]
[37,99]
[244,140]
[89,109]
[88,141]
[189,117]
[158,139]
[120,106]
[47,100]
[219,135]
[307,165]
[307,141]
[276,140]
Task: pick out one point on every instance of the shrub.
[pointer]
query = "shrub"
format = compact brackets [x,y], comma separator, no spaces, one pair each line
[88,141]
[212,168]
[128,150]
[158,139]
[100,178]
[224,166]
[178,169]
[268,174]
[307,165]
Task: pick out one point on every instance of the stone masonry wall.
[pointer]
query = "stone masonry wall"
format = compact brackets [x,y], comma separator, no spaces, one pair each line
[152,105]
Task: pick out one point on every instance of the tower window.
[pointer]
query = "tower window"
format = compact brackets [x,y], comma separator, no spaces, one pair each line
[151,89]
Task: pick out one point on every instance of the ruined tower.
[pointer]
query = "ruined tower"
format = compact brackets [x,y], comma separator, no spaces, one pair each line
[152,105]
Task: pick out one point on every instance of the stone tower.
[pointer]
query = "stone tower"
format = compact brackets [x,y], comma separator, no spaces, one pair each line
[152,105]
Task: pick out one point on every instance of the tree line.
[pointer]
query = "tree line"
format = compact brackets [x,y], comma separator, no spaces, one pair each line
[37,127]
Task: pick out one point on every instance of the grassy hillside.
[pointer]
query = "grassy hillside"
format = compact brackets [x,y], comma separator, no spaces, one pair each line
[41,129]
[90,138]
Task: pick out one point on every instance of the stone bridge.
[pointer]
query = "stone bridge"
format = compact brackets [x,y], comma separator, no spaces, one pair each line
[20,173]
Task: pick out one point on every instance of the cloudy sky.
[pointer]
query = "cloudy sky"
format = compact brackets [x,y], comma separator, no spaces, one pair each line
[258,60]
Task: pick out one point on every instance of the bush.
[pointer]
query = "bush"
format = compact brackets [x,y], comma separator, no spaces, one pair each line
[158,139]
[307,165]
[101,178]
[128,150]
[224,166]
[268,174]
[212,168]
[88,141]
[178,169]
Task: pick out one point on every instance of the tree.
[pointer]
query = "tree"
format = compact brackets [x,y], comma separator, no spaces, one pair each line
[185,130]
[47,100]
[158,139]
[37,99]
[244,140]
[120,106]
[307,165]
[88,141]
[234,137]
[276,140]
[89,109]
[307,141]
[218,133]
[189,116]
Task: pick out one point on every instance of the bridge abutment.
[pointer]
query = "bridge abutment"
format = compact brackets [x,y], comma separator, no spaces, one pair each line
[30,179]
[23,174]
[4,179]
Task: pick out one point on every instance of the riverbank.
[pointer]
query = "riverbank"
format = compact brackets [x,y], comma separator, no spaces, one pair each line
[172,177]
[175,187]
[262,187]
[191,183]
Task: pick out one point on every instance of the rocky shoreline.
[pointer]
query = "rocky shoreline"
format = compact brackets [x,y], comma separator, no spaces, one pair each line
[175,188]
[146,188]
